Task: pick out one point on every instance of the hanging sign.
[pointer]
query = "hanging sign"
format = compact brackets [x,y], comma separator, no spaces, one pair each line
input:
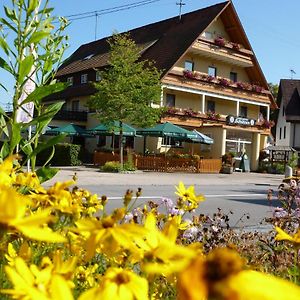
[232,120]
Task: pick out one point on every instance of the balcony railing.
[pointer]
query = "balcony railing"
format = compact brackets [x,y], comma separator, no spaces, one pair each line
[71,115]
[189,117]
[228,52]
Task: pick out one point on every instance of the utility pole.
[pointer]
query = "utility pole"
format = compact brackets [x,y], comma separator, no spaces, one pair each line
[180,3]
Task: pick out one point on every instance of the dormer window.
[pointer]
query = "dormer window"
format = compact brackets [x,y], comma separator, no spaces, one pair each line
[84,78]
[70,80]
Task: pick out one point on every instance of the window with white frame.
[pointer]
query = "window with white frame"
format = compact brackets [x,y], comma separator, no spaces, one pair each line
[208,35]
[189,65]
[84,78]
[212,71]
[169,141]
[243,111]
[70,80]
[170,100]
[98,76]
[233,76]
[75,105]
[284,132]
[211,106]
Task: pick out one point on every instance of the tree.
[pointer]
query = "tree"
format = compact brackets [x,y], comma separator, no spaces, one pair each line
[129,89]
[32,48]
[274,113]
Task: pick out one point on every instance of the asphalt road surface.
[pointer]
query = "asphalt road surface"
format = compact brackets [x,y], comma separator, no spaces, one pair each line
[243,196]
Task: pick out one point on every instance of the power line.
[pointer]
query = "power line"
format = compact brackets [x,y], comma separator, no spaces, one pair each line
[97,13]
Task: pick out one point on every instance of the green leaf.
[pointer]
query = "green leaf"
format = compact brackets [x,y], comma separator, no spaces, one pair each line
[15,137]
[4,45]
[37,36]
[3,125]
[43,91]
[4,65]
[7,24]
[47,116]
[33,4]
[26,147]
[46,173]
[25,67]
[3,87]
[51,142]
[4,152]
[11,14]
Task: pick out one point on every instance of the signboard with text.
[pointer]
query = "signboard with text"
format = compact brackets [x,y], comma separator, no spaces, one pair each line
[233,120]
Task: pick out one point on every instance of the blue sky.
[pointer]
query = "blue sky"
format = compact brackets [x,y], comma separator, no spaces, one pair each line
[271,26]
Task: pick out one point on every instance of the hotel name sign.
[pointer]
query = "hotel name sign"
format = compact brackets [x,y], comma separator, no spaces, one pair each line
[233,120]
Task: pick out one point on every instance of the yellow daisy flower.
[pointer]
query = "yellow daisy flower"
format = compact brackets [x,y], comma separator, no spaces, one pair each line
[14,217]
[220,276]
[283,236]
[187,195]
[119,284]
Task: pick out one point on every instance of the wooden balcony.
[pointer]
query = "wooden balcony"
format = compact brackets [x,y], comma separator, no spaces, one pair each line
[176,78]
[239,57]
[199,119]
[71,115]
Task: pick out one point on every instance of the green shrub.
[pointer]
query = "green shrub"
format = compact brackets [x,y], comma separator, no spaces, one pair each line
[65,155]
[111,166]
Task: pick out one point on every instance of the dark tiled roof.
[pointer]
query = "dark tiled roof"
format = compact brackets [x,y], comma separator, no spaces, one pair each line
[69,92]
[164,42]
[289,93]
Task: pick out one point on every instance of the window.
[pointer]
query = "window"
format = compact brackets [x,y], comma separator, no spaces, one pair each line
[70,80]
[170,100]
[283,111]
[84,78]
[211,106]
[171,142]
[64,107]
[101,141]
[233,76]
[280,131]
[75,105]
[189,65]
[98,76]
[243,111]
[208,35]
[284,132]
[212,71]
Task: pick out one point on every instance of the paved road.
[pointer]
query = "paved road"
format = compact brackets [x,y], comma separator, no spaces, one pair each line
[244,194]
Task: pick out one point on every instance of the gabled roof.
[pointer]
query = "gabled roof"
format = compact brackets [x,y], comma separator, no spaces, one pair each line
[164,41]
[289,93]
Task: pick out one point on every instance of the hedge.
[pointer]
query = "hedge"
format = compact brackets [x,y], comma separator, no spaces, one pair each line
[65,155]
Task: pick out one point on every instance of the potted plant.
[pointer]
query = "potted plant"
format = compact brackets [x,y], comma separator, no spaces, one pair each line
[227,163]
[220,41]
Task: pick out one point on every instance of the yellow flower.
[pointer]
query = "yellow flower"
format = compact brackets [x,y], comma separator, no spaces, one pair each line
[109,236]
[119,284]
[24,252]
[30,283]
[161,253]
[188,195]
[6,170]
[29,179]
[13,216]
[283,236]
[220,276]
